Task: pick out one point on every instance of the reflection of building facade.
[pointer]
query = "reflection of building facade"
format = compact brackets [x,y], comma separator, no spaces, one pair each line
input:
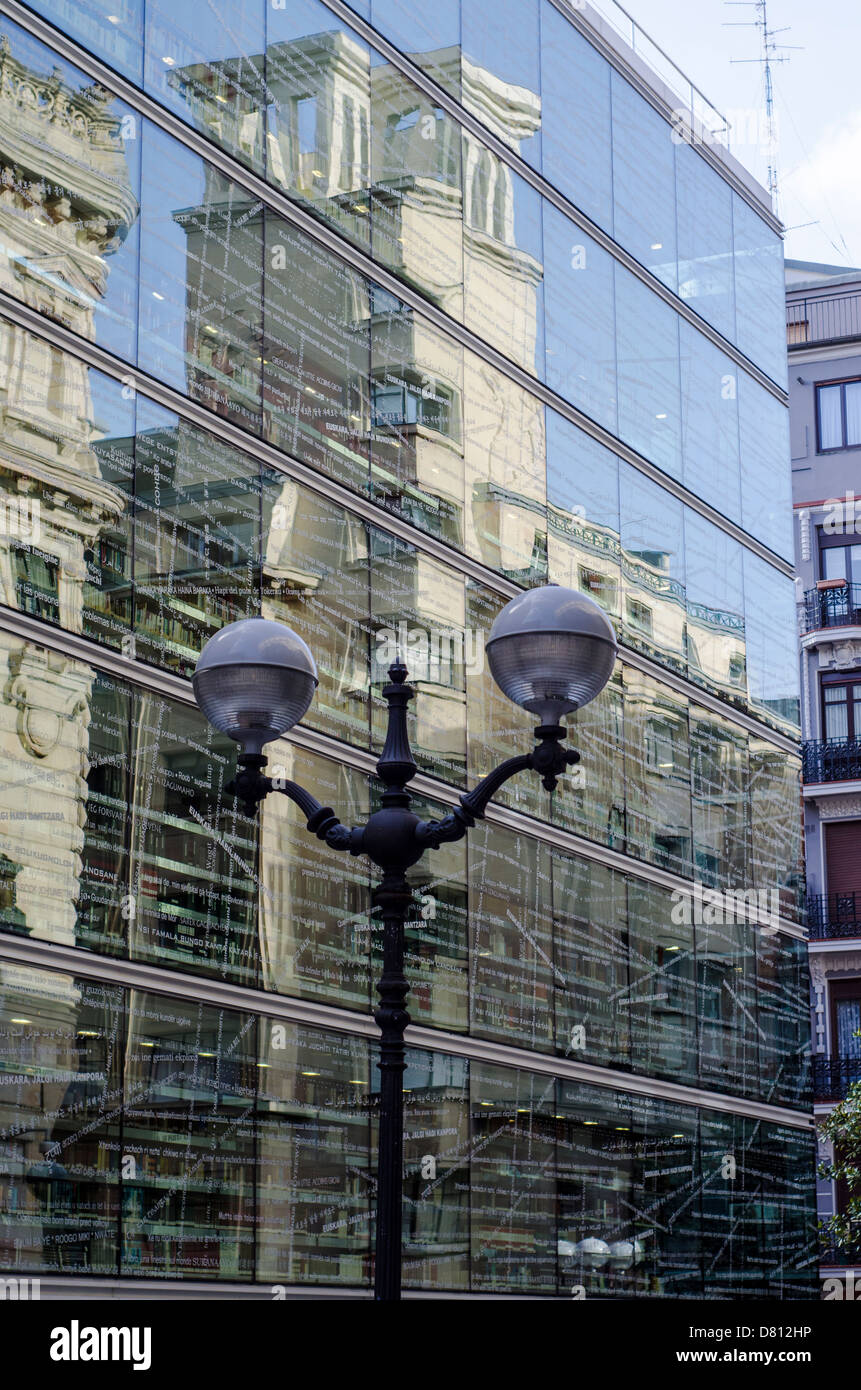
[824,345]
[370,458]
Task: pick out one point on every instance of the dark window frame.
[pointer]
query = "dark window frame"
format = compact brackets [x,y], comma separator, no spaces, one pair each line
[846,679]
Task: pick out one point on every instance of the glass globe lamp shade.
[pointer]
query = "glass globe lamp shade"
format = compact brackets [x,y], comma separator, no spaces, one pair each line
[592,1252]
[254,680]
[551,650]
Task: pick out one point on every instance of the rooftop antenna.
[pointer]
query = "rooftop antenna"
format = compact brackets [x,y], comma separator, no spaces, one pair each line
[772,52]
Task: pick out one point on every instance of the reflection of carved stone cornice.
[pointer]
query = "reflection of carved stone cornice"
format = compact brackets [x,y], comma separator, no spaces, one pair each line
[63,137]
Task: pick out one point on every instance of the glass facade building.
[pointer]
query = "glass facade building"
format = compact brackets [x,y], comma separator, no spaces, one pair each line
[366,319]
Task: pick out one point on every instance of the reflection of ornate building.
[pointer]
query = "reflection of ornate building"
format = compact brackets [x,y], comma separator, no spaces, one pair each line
[65,202]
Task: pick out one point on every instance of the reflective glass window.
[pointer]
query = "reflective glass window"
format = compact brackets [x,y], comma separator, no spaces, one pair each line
[766,481]
[772,656]
[212,72]
[200,281]
[579,334]
[436,1155]
[716,646]
[318,114]
[115,37]
[647,364]
[710,440]
[661,997]
[760,290]
[501,80]
[657,773]
[429,35]
[644,182]
[591,966]
[704,202]
[70,192]
[653,568]
[576,138]
[720,781]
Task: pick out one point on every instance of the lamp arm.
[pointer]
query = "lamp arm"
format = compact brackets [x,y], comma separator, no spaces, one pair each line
[549,759]
[251,787]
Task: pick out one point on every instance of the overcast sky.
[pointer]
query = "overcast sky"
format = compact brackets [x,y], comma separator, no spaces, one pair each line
[817,102]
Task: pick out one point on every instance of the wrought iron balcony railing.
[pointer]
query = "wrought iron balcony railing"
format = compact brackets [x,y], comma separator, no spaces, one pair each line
[834,915]
[823,319]
[831,759]
[831,607]
[832,1076]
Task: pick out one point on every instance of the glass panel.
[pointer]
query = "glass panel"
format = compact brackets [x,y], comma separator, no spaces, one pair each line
[316,580]
[590,962]
[189,1071]
[716,646]
[787,1158]
[760,291]
[575,91]
[115,37]
[61,1052]
[664,1221]
[318,90]
[311,1132]
[704,202]
[436,1152]
[416,202]
[776,825]
[590,798]
[437,936]
[583,514]
[835,561]
[720,783]
[772,656]
[200,281]
[197,538]
[848,1024]
[727,998]
[512,1182]
[783,1018]
[579,332]
[70,249]
[192,851]
[501,81]
[766,481]
[596,1251]
[647,362]
[416,420]
[418,611]
[212,71]
[661,998]
[829,400]
[836,712]
[644,182]
[313,902]
[653,569]
[315,355]
[852,393]
[503,257]
[430,35]
[505,475]
[710,441]
[732,1183]
[511,947]
[65,499]
[657,773]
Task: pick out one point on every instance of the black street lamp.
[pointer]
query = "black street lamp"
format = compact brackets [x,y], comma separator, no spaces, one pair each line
[550,650]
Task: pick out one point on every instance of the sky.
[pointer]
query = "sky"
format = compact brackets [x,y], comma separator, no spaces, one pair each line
[817,104]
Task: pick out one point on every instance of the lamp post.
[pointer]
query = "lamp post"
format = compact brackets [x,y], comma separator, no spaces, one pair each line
[551,650]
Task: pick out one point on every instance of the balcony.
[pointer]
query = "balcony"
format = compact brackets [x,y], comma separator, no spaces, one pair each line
[832,1076]
[831,760]
[831,318]
[839,605]
[833,916]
